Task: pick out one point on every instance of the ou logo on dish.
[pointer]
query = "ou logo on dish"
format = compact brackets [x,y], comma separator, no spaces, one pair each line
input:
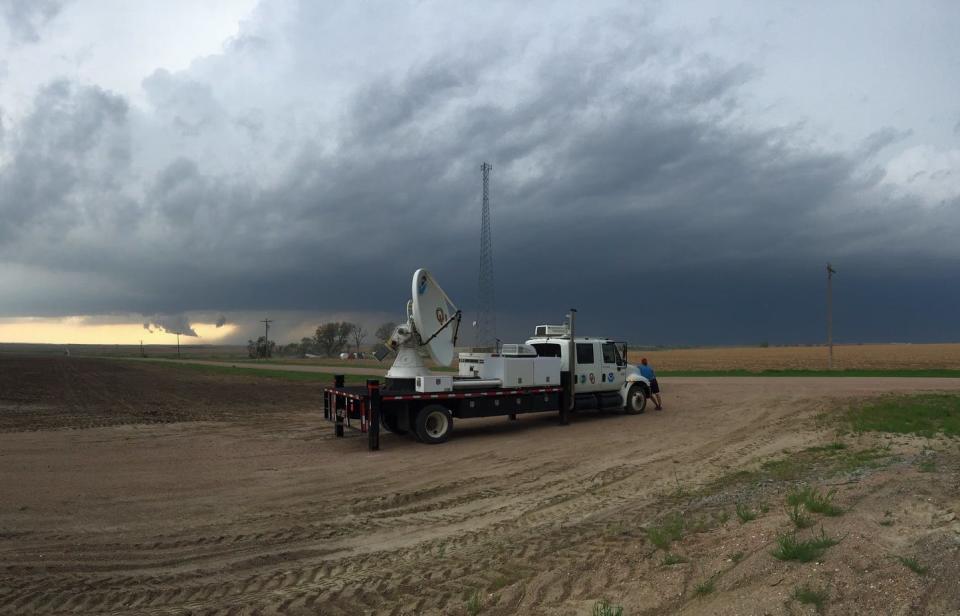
[441,317]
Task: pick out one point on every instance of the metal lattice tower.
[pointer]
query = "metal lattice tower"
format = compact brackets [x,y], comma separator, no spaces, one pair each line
[486,317]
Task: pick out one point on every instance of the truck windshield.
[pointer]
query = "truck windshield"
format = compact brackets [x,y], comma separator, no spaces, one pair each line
[547,349]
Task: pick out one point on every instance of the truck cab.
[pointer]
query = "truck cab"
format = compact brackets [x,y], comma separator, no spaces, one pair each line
[601,376]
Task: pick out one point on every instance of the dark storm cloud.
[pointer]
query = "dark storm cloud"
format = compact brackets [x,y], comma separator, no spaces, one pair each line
[26,18]
[62,157]
[643,201]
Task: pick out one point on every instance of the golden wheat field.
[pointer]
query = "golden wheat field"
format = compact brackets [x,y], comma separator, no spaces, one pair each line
[845,357]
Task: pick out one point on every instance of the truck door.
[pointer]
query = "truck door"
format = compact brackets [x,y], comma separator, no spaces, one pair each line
[612,367]
[588,367]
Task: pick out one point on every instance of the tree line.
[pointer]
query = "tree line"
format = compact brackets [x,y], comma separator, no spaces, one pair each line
[329,340]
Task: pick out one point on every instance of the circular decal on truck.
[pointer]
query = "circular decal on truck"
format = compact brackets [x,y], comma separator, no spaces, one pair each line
[610,377]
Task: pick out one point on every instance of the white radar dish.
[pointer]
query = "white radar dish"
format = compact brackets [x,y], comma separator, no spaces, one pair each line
[432,315]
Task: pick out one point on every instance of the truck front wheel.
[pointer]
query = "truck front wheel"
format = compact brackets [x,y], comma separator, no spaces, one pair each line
[434,424]
[636,399]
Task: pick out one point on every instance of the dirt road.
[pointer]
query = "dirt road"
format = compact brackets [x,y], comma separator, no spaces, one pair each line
[235,498]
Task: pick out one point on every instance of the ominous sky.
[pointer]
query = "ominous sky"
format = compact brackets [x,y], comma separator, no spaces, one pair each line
[679,171]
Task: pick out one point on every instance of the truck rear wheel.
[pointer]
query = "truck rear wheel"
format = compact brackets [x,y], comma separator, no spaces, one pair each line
[434,424]
[389,421]
[636,399]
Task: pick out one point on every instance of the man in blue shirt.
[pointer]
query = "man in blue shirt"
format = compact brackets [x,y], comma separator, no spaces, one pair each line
[647,372]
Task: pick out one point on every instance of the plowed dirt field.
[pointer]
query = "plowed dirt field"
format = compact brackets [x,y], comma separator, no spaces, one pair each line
[137,489]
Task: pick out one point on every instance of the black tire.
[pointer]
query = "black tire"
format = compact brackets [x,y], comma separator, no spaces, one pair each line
[434,424]
[636,399]
[389,422]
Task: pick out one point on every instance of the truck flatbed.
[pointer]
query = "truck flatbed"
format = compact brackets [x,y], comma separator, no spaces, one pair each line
[401,412]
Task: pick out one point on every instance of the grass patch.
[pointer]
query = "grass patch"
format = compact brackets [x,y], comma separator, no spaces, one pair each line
[704,588]
[913,565]
[786,469]
[885,522]
[927,465]
[920,373]
[736,557]
[798,515]
[921,414]
[834,446]
[473,604]
[808,596]
[804,551]
[745,514]
[814,501]
[669,530]
[673,559]
[605,608]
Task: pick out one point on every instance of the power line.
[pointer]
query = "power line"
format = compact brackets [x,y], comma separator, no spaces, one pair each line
[266,336]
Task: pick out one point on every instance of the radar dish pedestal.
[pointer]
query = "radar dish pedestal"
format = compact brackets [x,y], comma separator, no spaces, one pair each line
[407,365]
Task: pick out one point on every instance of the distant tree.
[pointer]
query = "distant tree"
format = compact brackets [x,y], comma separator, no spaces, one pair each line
[359,333]
[384,331]
[331,338]
[307,345]
[291,349]
[261,348]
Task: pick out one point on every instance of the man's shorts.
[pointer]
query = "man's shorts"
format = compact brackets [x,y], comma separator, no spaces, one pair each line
[654,387]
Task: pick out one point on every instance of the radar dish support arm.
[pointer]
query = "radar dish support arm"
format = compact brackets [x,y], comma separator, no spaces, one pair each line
[456,317]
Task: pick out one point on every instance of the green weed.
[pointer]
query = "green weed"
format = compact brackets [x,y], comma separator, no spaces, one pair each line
[745,514]
[927,465]
[798,515]
[913,565]
[669,530]
[814,500]
[704,588]
[804,551]
[736,557]
[808,596]
[673,559]
[473,603]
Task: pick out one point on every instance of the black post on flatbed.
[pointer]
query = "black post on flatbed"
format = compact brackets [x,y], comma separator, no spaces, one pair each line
[337,408]
[373,429]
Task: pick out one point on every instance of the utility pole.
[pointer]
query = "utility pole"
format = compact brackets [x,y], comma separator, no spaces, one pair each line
[141,349]
[266,336]
[178,345]
[830,273]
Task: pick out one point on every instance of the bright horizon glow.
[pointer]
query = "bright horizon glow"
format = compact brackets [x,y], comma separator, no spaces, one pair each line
[77,330]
